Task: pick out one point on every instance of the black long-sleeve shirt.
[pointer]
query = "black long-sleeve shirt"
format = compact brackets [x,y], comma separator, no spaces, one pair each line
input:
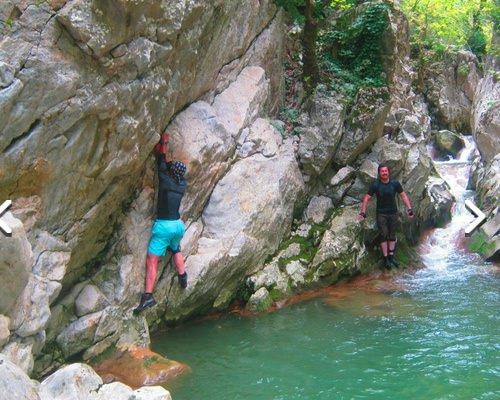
[170,192]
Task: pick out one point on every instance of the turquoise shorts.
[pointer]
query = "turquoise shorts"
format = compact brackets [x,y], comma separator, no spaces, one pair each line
[166,234]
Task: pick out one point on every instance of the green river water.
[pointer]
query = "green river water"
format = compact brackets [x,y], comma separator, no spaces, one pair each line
[434,335]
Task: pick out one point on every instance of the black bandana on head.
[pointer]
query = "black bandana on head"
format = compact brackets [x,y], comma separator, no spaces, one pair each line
[178,169]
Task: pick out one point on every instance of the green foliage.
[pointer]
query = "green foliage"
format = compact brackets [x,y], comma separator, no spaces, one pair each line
[352,49]
[437,24]
[463,70]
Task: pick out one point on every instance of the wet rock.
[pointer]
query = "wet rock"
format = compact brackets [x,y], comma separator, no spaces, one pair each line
[486,241]
[15,264]
[260,301]
[14,383]
[318,209]
[448,143]
[488,185]
[435,209]
[321,133]
[138,367]
[89,300]
[4,330]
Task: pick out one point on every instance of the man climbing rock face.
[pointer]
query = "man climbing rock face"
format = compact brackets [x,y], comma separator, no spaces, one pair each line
[168,229]
[386,189]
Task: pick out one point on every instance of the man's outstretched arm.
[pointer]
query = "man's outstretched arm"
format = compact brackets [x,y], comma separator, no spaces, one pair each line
[364,206]
[406,201]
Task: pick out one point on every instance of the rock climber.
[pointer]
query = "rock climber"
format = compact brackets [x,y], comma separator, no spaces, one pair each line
[168,229]
[386,188]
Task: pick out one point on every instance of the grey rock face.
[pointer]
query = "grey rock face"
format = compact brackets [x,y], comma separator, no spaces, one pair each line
[15,264]
[93,89]
[450,87]
[341,249]
[4,330]
[320,138]
[14,383]
[89,300]
[365,124]
[242,226]
[318,208]
[485,118]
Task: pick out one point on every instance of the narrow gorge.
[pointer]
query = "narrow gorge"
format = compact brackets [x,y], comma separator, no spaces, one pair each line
[276,173]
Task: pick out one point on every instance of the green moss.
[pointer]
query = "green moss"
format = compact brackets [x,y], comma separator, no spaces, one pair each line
[481,244]
[276,294]
[150,361]
[264,305]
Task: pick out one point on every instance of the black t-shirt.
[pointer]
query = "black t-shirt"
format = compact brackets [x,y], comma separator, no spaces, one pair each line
[170,192]
[386,195]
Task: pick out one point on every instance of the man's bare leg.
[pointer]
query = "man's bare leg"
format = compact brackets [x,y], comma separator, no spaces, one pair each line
[181,269]
[179,263]
[151,272]
[384,248]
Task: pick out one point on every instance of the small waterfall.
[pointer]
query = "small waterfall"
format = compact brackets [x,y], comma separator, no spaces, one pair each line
[443,250]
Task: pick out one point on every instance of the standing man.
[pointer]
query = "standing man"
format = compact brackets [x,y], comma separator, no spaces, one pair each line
[386,189]
[168,229]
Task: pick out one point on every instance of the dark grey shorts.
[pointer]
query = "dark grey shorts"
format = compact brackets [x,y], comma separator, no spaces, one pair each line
[387,226]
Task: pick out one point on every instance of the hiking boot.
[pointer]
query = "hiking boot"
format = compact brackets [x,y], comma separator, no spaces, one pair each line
[147,301]
[387,263]
[183,280]
[393,261]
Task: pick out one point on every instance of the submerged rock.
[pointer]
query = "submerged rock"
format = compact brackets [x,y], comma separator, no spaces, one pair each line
[138,367]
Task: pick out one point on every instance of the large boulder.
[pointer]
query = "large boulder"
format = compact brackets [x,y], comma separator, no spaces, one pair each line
[342,248]
[448,143]
[449,88]
[485,117]
[242,226]
[15,384]
[364,124]
[321,132]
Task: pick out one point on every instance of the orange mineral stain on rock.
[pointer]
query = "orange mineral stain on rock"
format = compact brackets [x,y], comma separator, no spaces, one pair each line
[138,367]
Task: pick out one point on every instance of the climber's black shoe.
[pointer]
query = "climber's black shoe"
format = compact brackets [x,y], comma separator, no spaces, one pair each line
[183,280]
[387,263]
[147,301]
[393,261]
